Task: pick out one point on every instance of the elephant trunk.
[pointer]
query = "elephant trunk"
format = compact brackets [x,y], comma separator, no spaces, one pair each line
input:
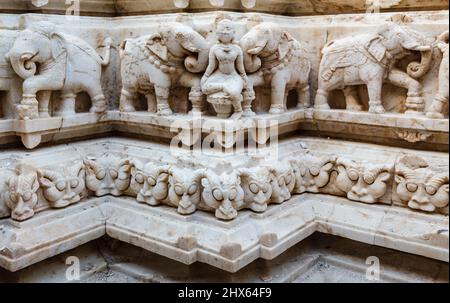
[251,51]
[199,64]
[22,64]
[417,70]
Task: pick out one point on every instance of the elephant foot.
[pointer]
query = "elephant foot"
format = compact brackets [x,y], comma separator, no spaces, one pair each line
[322,106]
[127,108]
[28,108]
[236,115]
[375,107]
[164,111]
[355,107]
[276,109]
[435,115]
[248,113]
[44,114]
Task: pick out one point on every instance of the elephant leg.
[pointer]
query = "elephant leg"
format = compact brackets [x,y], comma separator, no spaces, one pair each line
[351,98]
[44,103]
[196,96]
[303,96]
[127,98]
[374,89]
[321,100]
[29,106]
[151,102]
[99,104]
[162,98]
[415,103]
[278,94]
[441,98]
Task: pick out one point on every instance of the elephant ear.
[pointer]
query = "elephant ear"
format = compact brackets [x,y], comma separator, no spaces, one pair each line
[157,46]
[186,42]
[58,44]
[284,46]
[376,48]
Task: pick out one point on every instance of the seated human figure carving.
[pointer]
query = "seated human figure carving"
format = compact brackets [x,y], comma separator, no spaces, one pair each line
[225,77]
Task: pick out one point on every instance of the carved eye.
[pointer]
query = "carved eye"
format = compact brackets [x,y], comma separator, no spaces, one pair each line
[353,175]
[61,185]
[139,178]
[412,187]
[192,189]
[217,194]
[288,179]
[151,181]
[281,181]
[13,197]
[179,190]
[27,196]
[431,190]
[369,179]
[113,173]
[314,171]
[74,183]
[265,189]
[123,175]
[254,188]
[101,174]
[233,194]
[302,171]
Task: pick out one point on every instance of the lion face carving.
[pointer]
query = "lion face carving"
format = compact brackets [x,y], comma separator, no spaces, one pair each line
[185,189]
[312,173]
[255,183]
[155,183]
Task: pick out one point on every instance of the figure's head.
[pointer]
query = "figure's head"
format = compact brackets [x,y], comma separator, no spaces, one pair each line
[225,31]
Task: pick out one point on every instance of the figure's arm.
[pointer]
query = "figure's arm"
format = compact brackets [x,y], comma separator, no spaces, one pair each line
[212,64]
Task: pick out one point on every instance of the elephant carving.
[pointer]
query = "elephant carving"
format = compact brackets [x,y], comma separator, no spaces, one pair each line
[171,56]
[441,98]
[273,57]
[48,61]
[369,59]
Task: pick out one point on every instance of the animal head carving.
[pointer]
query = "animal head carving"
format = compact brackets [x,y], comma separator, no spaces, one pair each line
[64,187]
[255,183]
[155,183]
[312,173]
[282,180]
[21,195]
[420,187]
[108,175]
[185,189]
[223,193]
[365,183]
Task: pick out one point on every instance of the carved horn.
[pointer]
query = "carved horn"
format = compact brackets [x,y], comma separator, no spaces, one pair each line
[49,174]
[91,164]
[439,179]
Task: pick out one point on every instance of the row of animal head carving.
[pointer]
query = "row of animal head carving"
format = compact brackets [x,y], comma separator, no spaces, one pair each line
[412,182]
[175,54]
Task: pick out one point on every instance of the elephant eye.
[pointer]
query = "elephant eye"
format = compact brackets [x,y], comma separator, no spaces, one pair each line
[113,173]
[233,193]
[431,190]
[179,190]
[412,187]
[192,189]
[101,174]
[61,185]
[254,188]
[217,194]
[288,179]
[369,179]
[74,183]
[27,196]
[314,171]
[151,181]
[139,178]
[353,175]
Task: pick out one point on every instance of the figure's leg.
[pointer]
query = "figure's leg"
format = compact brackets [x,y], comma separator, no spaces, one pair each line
[196,96]
[374,88]
[441,98]
[351,98]
[303,96]
[162,98]
[249,93]
[415,104]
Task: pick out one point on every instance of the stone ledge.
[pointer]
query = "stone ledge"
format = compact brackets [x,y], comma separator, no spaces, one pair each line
[226,245]
[398,129]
